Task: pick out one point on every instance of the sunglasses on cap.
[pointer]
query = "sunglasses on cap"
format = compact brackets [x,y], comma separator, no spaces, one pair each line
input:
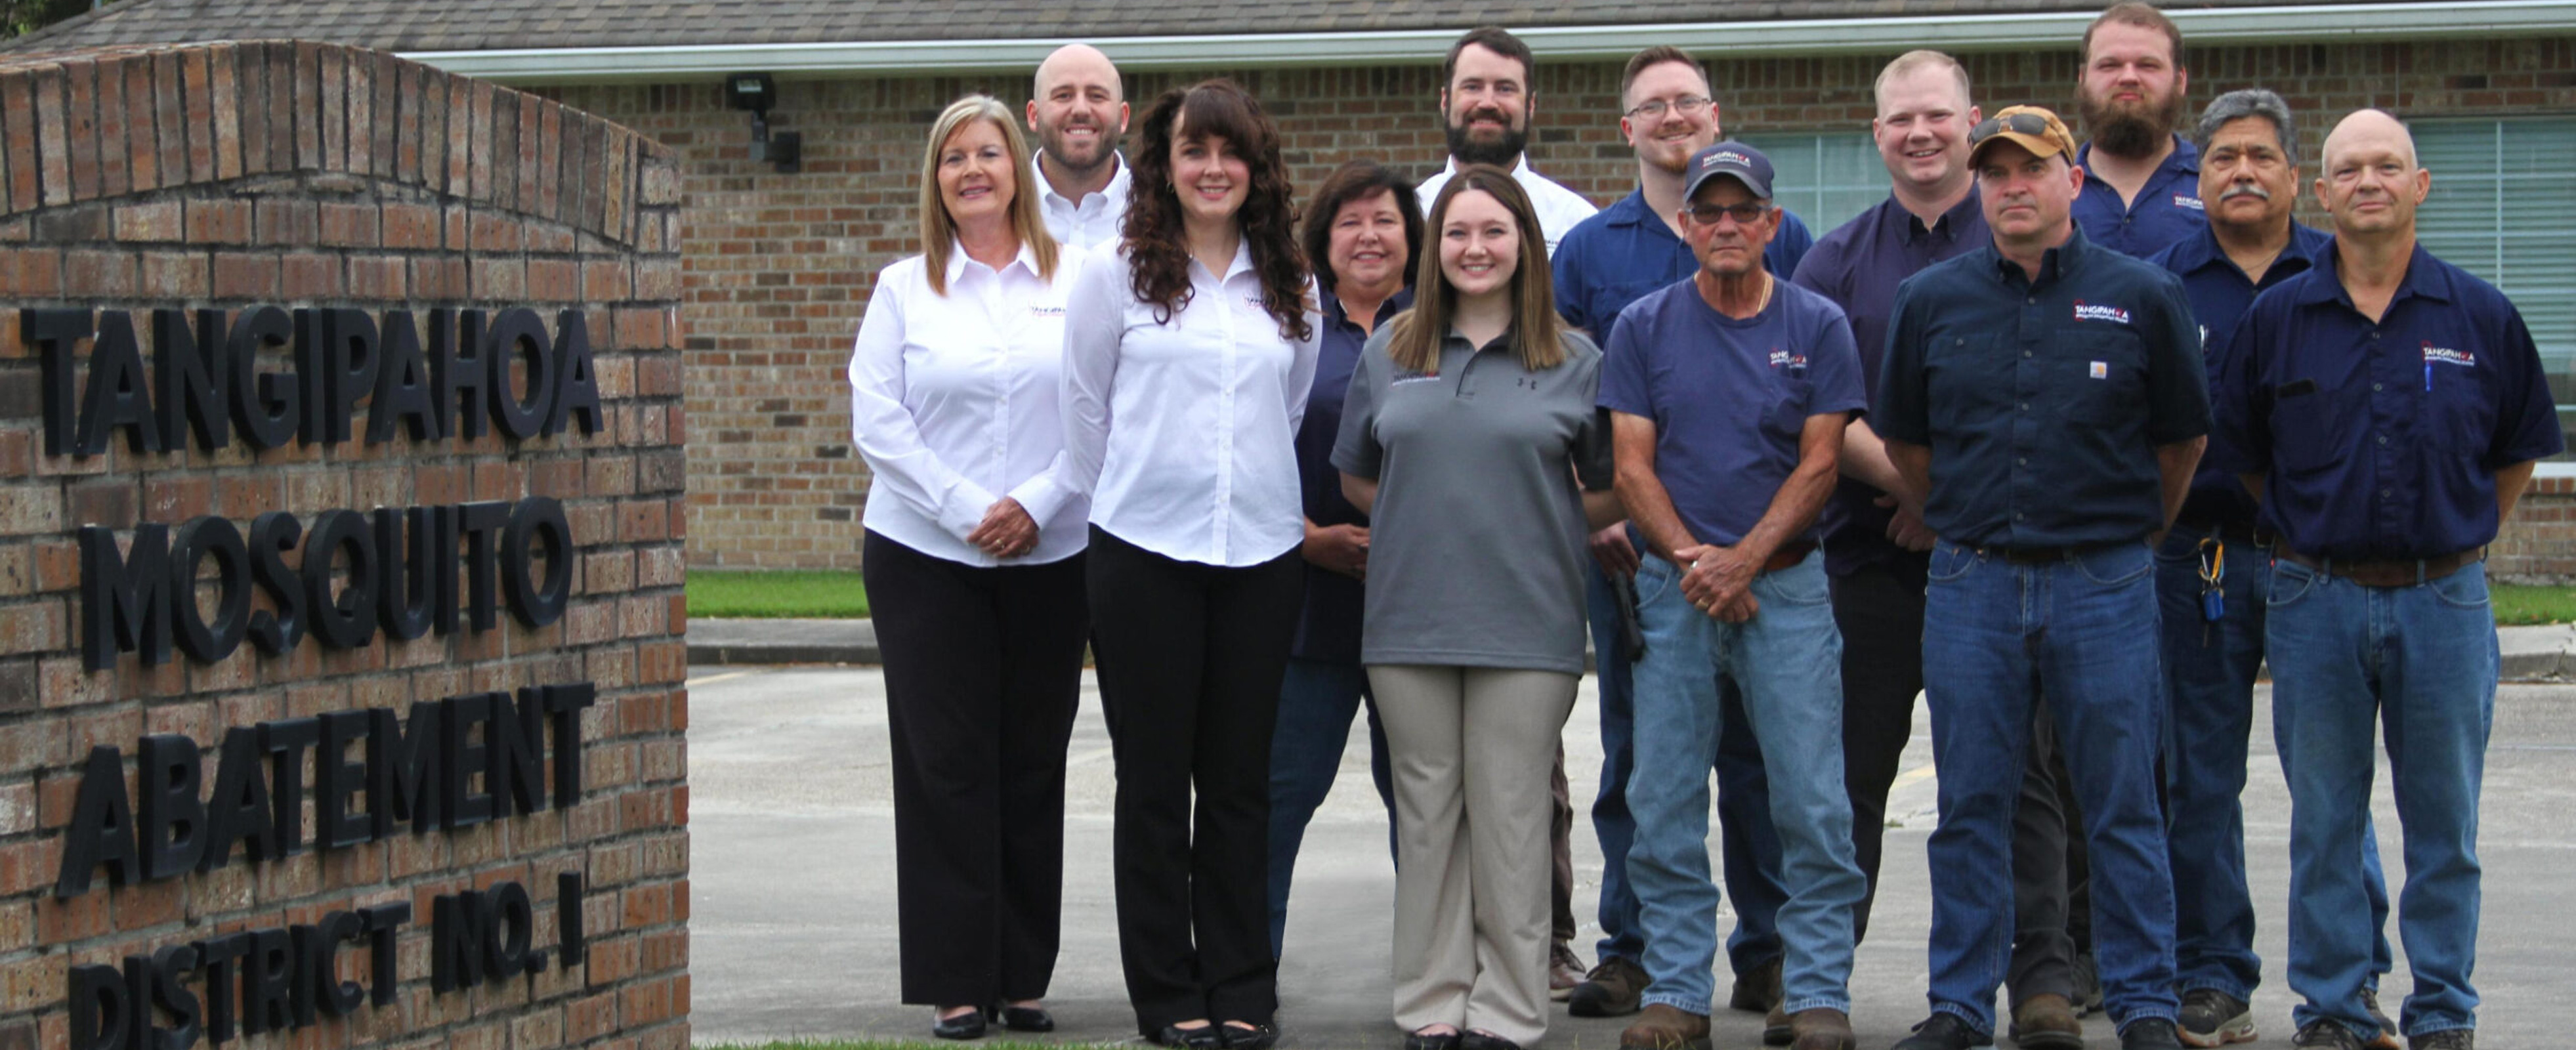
[2024,123]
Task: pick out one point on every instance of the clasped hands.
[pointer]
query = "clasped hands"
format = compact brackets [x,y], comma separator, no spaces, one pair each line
[1007,531]
[1718,581]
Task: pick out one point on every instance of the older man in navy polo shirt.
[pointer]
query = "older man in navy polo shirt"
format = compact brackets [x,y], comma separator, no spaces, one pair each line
[2141,180]
[1631,248]
[1729,393]
[2386,407]
[2214,574]
[2045,398]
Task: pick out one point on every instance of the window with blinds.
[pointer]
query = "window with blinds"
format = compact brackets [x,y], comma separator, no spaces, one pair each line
[2504,208]
[1825,177]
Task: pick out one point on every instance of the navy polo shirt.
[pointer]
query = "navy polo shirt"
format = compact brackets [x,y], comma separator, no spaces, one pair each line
[1626,250]
[2220,292]
[2043,402]
[1329,627]
[2381,440]
[1729,396]
[1858,266]
[2167,208]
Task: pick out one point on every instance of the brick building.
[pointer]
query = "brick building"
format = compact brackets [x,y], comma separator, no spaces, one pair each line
[778,266]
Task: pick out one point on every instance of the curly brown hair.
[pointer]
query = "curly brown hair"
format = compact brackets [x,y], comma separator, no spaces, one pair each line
[1158,251]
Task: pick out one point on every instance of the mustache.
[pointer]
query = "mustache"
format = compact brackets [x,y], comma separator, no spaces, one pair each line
[2246,190]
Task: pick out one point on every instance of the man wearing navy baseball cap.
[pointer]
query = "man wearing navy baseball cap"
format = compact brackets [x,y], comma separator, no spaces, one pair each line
[1729,392]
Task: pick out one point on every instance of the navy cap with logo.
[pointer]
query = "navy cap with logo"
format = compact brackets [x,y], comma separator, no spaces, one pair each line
[1732,159]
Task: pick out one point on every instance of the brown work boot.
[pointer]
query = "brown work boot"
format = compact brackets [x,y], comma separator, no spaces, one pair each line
[1610,990]
[1666,1027]
[1775,1026]
[2047,1022]
[1757,989]
[1823,1028]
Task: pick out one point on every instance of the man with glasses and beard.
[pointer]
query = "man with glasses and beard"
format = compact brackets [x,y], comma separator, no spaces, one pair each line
[1078,112]
[2141,179]
[1485,107]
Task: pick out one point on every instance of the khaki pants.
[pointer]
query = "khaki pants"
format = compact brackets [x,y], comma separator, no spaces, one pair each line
[1471,749]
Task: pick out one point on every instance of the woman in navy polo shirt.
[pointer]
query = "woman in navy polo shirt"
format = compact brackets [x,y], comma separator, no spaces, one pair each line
[1470,423]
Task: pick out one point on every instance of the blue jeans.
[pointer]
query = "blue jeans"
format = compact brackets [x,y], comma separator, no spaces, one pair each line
[1750,846]
[1785,664]
[1996,636]
[1316,702]
[2418,662]
[2209,689]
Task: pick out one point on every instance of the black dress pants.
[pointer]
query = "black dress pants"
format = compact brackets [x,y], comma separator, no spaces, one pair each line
[983,670]
[1190,658]
[1879,609]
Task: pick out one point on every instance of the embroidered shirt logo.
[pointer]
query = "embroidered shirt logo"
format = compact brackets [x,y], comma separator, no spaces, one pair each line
[2084,312]
[1046,311]
[1785,359]
[2187,202]
[2443,355]
[2100,370]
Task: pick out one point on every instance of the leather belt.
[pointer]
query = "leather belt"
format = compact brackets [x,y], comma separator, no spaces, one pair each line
[2232,532]
[2042,555]
[1788,555]
[2388,572]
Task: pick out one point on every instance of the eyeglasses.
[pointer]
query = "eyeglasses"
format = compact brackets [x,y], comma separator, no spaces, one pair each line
[1687,105]
[2019,123]
[1743,214]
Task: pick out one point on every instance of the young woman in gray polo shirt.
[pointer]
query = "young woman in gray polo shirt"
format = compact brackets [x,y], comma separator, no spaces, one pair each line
[1470,425]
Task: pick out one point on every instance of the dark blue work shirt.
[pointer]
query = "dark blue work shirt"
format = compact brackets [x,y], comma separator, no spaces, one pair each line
[1729,396]
[1626,250]
[2381,440]
[1858,266]
[2167,208]
[2220,292]
[1328,629]
[2043,402]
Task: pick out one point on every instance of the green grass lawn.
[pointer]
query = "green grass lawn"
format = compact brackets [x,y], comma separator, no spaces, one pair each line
[777,595]
[839,595]
[880,1044]
[2517,604]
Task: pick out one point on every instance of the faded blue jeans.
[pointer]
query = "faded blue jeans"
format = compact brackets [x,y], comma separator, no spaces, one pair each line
[1316,702]
[1997,635]
[1786,666]
[2417,663]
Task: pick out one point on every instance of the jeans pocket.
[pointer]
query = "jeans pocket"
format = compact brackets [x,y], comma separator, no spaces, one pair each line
[1950,562]
[1799,585]
[2291,581]
[2465,589]
[1654,576]
[2116,564]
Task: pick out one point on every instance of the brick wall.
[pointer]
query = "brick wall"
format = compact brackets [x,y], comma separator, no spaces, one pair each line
[227,176]
[2539,544]
[778,266]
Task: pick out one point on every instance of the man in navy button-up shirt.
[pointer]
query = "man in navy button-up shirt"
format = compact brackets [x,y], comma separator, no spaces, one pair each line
[2386,407]
[2141,180]
[2045,397]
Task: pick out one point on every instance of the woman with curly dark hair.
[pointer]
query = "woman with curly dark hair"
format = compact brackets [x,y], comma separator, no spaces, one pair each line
[1188,361]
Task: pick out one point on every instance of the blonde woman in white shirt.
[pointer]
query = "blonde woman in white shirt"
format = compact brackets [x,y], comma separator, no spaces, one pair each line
[974,566]
[1188,358]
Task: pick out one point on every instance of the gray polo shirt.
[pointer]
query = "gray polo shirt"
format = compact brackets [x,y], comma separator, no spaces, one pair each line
[1476,542]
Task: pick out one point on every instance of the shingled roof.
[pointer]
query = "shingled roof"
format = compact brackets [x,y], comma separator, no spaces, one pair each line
[449,25]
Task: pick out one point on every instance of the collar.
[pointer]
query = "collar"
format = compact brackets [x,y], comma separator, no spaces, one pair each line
[2200,249]
[1395,304]
[1520,167]
[1027,260]
[1901,222]
[1242,261]
[2184,158]
[1116,190]
[1630,210]
[2056,264]
[2426,277]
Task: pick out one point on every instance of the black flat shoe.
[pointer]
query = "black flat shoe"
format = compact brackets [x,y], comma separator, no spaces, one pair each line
[1205,1038]
[1023,1018]
[1420,1041]
[1257,1037]
[968,1025]
[1475,1040]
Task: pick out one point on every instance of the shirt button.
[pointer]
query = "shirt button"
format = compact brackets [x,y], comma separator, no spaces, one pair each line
[2375,386]
[2025,353]
[2032,301]
[2021,461]
[2017,515]
[2383,439]
[2025,406]
[2387,493]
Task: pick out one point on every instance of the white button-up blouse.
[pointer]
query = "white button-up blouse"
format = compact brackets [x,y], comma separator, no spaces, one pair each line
[1183,431]
[954,403]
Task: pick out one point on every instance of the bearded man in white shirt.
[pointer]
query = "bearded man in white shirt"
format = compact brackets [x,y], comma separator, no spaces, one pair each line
[1485,106]
[1078,110]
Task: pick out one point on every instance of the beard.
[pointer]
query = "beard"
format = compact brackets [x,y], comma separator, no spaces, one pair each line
[2133,130]
[1103,151]
[1502,152]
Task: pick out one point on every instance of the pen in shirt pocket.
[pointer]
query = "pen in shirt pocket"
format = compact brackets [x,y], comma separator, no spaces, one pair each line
[2428,375]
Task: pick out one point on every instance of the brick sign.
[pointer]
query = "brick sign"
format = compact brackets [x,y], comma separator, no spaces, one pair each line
[341,667]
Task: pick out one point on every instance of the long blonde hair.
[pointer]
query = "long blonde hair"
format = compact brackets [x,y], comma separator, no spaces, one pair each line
[1414,345]
[938,231]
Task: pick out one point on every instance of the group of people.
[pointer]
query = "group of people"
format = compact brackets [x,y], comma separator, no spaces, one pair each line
[1402,448]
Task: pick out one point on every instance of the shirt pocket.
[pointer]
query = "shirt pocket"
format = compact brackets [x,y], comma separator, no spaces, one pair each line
[2104,374]
[2308,431]
[2459,411]
[1966,376]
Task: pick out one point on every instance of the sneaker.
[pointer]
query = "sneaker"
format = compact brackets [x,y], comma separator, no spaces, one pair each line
[1756,990]
[2328,1033]
[1610,990]
[2446,1039]
[1665,1027]
[2214,1018]
[2088,985]
[1564,971]
[2387,1037]
[1944,1031]
[2047,1022]
[2150,1033]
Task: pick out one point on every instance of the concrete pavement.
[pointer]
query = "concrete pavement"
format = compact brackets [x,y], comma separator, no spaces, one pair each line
[793,917]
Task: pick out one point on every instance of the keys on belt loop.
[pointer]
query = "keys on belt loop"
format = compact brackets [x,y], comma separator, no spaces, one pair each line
[2213,574]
